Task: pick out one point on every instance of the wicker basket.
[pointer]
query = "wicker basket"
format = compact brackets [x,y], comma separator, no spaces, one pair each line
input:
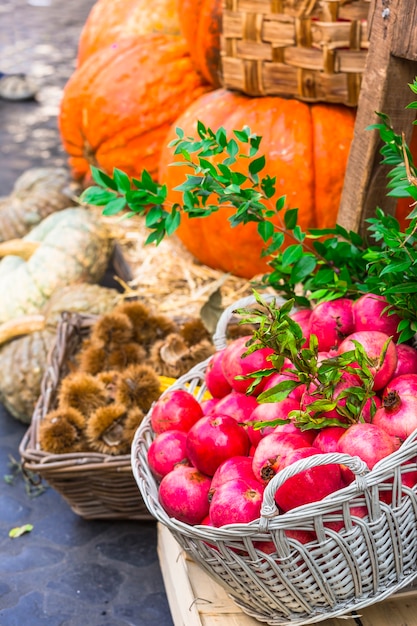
[94,485]
[313,50]
[338,572]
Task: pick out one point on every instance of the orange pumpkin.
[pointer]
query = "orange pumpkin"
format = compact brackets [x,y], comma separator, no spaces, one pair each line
[111,20]
[118,106]
[306,148]
[201,24]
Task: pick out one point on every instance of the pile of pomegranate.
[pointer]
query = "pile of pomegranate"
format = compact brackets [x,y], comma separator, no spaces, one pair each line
[211,460]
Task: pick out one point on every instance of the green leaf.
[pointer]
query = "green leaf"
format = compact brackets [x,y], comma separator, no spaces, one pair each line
[18,531]
[232,149]
[201,129]
[304,267]
[256,165]
[279,392]
[97,196]
[396,267]
[242,135]
[172,221]
[265,230]
[114,206]
[122,181]
[292,254]
[102,179]
[290,218]
[280,203]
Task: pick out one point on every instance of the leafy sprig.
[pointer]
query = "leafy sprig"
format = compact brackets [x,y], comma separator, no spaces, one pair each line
[313,265]
[275,329]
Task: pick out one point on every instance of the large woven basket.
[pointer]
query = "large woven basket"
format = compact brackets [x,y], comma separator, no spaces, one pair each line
[94,485]
[313,50]
[339,572]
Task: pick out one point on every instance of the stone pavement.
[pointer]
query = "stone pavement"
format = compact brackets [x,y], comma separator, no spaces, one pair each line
[67,571]
[42,42]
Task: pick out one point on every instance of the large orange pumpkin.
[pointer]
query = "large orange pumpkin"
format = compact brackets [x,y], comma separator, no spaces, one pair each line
[306,148]
[118,106]
[111,20]
[201,24]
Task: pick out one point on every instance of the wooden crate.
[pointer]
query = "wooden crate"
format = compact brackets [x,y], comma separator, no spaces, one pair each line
[195,599]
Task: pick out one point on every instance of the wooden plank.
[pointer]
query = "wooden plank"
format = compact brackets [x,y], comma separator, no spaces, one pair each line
[196,599]
[177,581]
[384,89]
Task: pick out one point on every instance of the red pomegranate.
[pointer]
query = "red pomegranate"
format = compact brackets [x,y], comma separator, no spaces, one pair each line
[331,322]
[213,439]
[373,342]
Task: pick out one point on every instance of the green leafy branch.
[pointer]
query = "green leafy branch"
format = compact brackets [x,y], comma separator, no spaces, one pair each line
[311,266]
[275,329]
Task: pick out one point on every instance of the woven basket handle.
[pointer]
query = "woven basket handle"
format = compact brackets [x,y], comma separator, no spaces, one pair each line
[219,337]
[269,508]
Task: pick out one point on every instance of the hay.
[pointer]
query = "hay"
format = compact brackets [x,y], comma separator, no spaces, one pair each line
[168,277]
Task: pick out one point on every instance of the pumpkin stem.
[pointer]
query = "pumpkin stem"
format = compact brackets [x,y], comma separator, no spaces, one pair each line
[23,325]
[19,247]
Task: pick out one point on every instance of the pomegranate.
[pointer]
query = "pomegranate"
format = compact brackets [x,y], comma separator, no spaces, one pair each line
[367,441]
[236,502]
[208,405]
[308,485]
[235,404]
[234,468]
[214,378]
[183,494]
[235,364]
[372,312]
[405,385]
[407,360]
[373,342]
[267,412]
[213,439]
[166,451]
[327,439]
[175,410]
[397,415]
[331,322]
[270,451]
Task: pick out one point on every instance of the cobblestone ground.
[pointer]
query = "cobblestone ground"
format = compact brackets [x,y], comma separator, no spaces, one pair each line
[38,37]
[67,571]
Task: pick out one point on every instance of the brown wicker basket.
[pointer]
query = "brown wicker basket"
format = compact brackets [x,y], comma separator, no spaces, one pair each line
[94,485]
[313,50]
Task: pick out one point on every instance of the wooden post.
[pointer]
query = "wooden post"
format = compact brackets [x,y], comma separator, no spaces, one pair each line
[391,65]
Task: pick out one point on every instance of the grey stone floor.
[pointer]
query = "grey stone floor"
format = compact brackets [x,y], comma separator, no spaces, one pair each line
[67,571]
[42,42]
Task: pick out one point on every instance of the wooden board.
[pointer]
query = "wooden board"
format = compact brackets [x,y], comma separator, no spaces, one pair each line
[197,600]
[391,64]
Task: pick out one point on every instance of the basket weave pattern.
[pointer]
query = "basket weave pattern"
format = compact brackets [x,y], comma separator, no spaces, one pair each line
[313,50]
[94,485]
[369,559]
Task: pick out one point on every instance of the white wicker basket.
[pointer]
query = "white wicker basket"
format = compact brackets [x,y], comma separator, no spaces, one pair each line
[339,572]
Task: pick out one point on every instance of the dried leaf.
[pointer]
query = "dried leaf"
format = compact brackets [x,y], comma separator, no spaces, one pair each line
[211,311]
